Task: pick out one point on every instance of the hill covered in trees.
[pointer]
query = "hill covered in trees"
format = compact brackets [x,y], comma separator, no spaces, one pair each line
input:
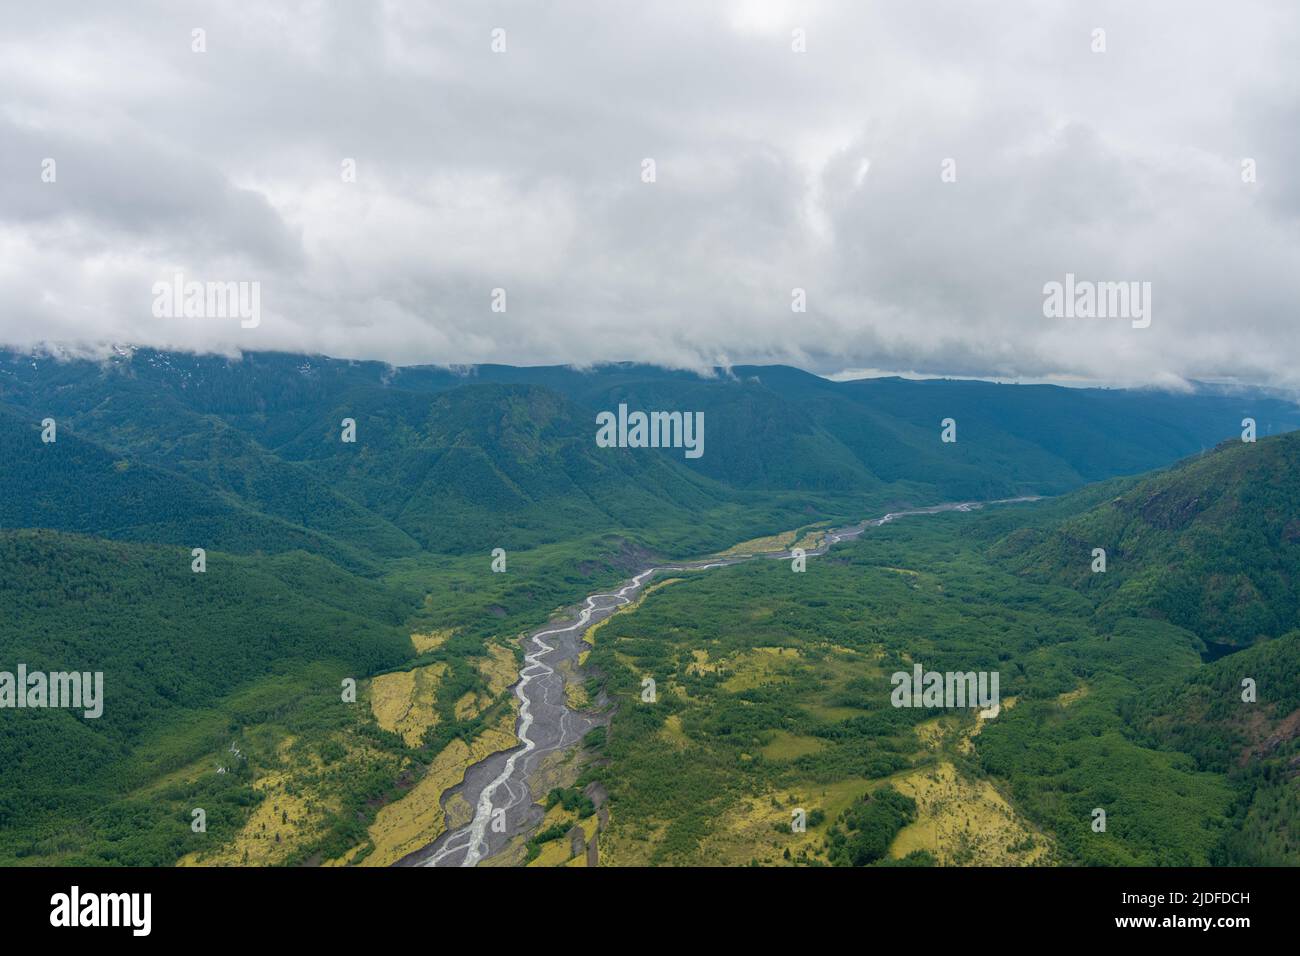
[1211,545]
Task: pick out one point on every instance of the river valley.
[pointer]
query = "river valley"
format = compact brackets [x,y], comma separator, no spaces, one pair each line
[499,788]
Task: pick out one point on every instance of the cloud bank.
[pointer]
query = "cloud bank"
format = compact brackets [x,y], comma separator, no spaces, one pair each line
[919,170]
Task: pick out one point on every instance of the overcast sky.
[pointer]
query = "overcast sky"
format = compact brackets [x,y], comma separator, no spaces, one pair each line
[774,170]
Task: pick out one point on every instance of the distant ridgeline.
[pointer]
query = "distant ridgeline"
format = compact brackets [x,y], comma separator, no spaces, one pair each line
[339,505]
[248,452]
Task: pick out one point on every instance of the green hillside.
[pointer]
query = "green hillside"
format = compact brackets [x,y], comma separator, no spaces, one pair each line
[175,648]
[1211,545]
[511,465]
[76,485]
[1255,743]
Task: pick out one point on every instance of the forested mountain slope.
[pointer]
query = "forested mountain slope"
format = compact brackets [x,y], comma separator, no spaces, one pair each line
[174,647]
[1212,544]
[768,428]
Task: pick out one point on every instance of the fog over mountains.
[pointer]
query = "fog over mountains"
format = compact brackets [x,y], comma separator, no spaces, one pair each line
[919,172]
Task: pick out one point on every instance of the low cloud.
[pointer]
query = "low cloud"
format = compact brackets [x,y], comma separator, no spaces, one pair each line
[774,170]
